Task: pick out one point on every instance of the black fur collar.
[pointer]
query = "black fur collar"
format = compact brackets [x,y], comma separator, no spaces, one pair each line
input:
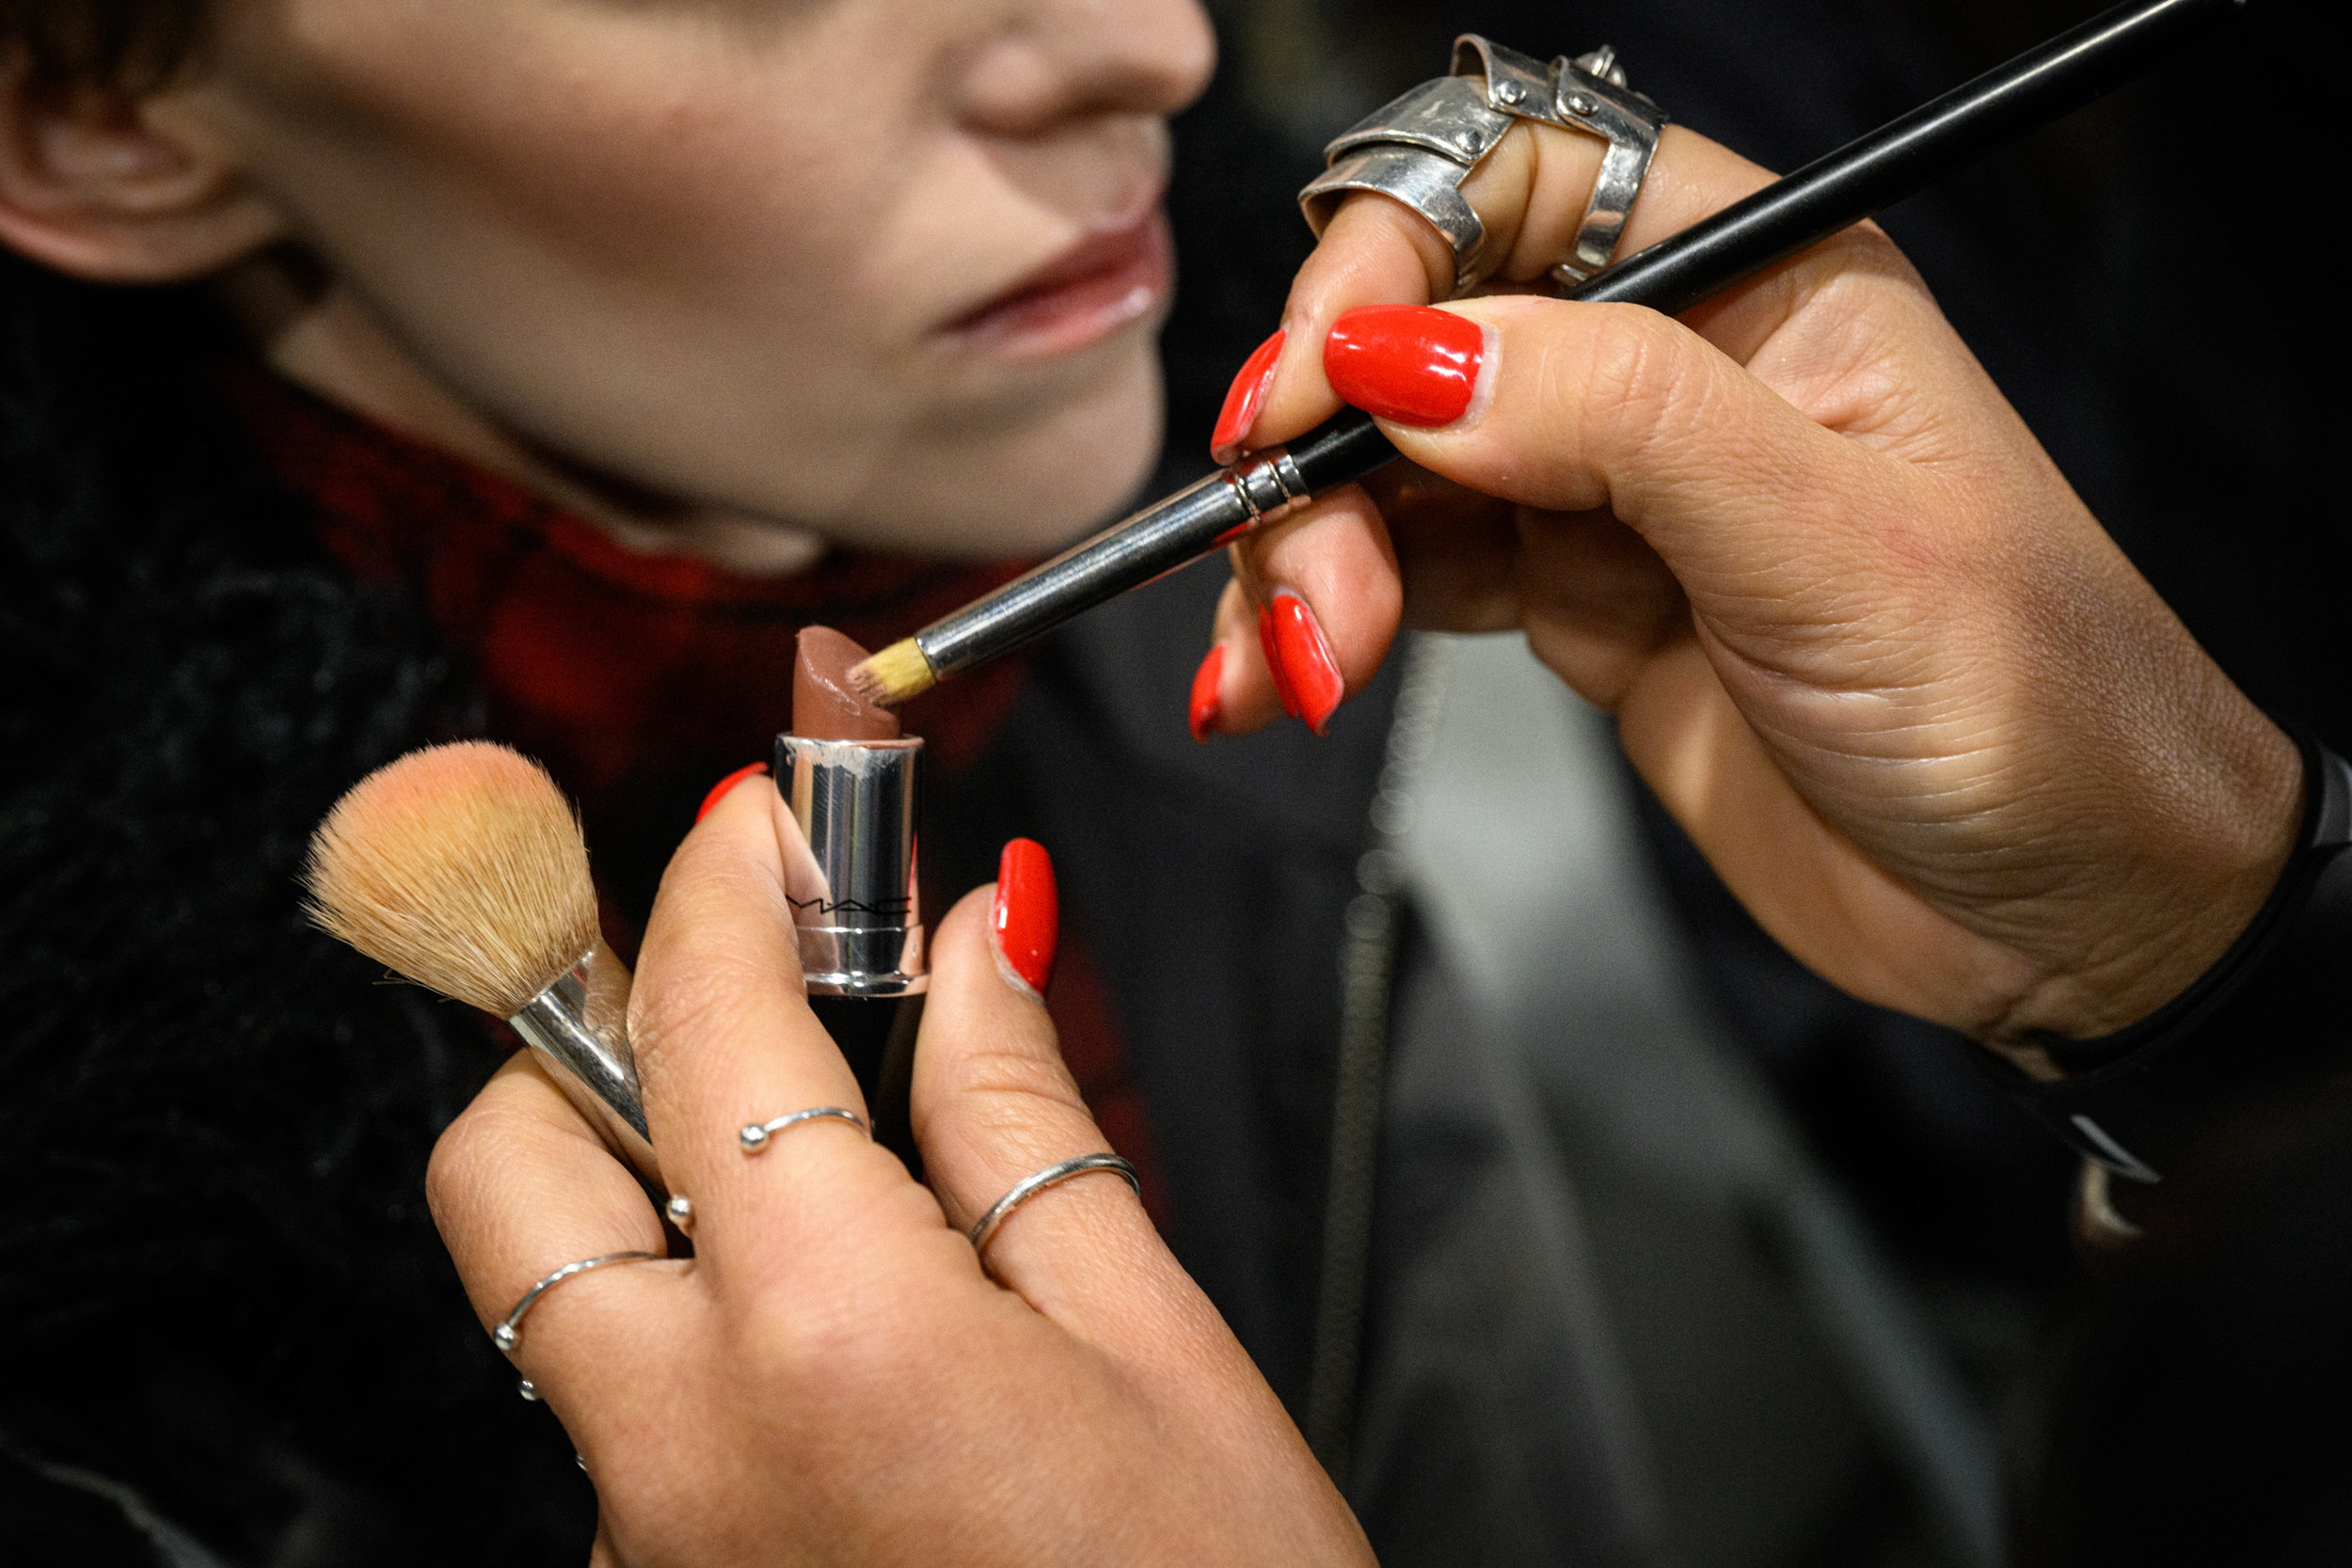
[217,1280]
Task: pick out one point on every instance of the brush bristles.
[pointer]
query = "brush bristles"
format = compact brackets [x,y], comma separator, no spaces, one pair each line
[460,867]
[897,674]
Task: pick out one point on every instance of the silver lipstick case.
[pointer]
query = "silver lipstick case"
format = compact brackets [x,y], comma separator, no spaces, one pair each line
[852,880]
[850,876]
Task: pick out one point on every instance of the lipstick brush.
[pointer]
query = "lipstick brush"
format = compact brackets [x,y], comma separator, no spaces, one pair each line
[462,868]
[1899,159]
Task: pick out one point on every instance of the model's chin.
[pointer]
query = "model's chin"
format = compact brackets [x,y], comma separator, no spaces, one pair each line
[1011,490]
[999,476]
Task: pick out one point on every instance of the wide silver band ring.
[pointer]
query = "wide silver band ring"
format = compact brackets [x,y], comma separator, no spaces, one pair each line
[754,1136]
[984,1228]
[1419,148]
[508,1333]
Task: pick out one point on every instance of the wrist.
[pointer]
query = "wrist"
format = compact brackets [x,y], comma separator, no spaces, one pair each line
[2201,930]
[2267,1021]
[2179,884]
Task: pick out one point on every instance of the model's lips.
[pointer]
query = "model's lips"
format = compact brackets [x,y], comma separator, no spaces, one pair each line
[1083,296]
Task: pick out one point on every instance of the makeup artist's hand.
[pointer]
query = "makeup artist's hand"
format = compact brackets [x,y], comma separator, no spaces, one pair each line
[1859,634]
[833,1378]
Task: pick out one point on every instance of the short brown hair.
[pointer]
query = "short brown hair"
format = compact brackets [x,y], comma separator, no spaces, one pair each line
[132,44]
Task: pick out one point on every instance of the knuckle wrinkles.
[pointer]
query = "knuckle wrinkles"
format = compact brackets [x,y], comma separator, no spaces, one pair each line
[677,1007]
[445,1173]
[1012,1071]
[464,1155]
[1636,376]
[1020,1113]
[830,1341]
[1859,282]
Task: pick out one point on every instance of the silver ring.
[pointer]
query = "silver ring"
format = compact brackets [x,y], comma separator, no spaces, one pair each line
[754,1136]
[508,1333]
[984,1230]
[1419,148]
[1593,96]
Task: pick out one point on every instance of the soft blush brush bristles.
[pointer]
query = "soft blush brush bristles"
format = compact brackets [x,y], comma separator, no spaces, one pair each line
[895,676]
[460,867]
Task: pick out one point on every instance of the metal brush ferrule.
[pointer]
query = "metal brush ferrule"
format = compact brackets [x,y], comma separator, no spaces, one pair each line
[580,1025]
[851,880]
[1169,533]
[1268,482]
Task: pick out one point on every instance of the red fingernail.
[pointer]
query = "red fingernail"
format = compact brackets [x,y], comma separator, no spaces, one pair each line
[1274,661]
[1027,918]
[1410,363]
[1243,398]
[1308,667]
[1205,685]
[718,790]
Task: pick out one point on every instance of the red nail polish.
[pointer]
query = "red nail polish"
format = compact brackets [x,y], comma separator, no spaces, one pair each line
[1026,916]
[1410,363]
[1204,684]
[718,790]
[1312,673]
[1274,661]
[1242,400]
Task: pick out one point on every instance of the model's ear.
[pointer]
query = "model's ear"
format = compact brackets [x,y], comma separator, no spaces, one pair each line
[121,187]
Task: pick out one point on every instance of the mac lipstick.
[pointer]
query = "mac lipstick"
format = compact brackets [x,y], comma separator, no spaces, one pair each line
[853,784]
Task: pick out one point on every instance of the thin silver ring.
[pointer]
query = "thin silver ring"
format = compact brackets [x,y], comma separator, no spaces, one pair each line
[984,1230]
[508,1333]
[754,1136]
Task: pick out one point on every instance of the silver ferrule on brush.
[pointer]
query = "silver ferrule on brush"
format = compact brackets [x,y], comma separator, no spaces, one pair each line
[852,880]
[1156,541]
[580,1026]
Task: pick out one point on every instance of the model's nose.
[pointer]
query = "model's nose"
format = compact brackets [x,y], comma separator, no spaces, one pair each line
[1053,60]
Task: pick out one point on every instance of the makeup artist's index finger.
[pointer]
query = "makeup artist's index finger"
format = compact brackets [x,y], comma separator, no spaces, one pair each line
[1530,193]
[724,1040]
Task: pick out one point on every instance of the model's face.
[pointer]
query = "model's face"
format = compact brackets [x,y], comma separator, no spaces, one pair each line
[885,268]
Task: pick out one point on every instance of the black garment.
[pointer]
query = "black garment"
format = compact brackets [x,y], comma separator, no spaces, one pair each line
[218,1283]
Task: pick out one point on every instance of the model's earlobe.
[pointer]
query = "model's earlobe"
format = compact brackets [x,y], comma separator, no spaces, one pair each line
[121,188]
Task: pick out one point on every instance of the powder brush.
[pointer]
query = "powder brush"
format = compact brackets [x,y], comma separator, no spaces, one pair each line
[462,867]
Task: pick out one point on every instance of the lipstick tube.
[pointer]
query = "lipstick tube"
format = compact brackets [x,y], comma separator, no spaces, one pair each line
[857,910]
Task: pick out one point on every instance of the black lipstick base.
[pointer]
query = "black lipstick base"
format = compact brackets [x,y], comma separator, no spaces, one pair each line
[877,1038]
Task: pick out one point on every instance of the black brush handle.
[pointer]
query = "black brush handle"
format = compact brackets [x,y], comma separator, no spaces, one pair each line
[1859,180]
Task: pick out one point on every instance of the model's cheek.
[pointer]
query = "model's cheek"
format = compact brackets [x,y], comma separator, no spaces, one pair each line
[622,137]
[681,290]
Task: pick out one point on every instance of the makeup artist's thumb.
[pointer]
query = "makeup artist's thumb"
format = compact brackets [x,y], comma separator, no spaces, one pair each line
[994,1103]
[1572,408]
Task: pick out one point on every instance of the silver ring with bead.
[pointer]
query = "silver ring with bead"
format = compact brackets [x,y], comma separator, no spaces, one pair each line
[509,1333]
[754,1136]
